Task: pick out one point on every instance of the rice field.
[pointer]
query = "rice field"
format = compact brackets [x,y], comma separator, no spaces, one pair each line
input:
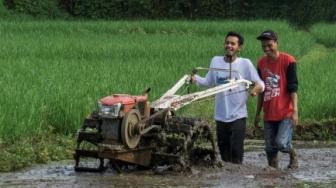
[53,72]
[324,34]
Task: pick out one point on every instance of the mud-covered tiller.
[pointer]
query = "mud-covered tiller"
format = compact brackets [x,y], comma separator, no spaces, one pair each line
[128,129]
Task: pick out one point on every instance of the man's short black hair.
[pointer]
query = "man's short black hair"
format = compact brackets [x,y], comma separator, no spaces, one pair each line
[235,34]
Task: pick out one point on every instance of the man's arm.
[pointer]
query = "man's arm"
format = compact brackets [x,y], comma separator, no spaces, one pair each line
[295,116]
[259,108]
[292,87]
[257,89]
[260,101]
[208,80]
[254,76]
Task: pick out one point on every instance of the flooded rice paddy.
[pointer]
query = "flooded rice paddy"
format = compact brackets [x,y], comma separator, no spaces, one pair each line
[317,169]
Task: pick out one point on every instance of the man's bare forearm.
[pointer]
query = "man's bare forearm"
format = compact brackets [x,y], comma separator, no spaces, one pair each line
[259,103]
[295,116]
[295,101]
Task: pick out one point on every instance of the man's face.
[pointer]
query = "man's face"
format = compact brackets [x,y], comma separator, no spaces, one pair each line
[231,45]
[269,47]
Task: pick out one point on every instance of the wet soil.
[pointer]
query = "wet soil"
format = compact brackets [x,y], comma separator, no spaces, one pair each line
[317,168]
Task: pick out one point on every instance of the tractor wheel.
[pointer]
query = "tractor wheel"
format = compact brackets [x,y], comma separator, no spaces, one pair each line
[129,129]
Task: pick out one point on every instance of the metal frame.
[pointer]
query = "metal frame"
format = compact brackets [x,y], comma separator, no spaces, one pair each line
[175,102]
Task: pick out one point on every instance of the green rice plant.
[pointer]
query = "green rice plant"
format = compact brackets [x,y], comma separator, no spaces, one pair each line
[53,72]
[316,73]
[324,34]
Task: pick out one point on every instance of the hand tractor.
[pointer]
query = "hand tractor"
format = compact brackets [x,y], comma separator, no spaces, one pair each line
[127,129]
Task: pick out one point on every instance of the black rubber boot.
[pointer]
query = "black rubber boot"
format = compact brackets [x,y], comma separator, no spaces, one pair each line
[273,161]
[293,162]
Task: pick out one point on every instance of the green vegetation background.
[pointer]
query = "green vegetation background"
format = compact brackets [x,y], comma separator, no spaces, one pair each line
[53,72]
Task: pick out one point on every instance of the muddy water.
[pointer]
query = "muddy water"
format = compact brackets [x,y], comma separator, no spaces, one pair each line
[317,169]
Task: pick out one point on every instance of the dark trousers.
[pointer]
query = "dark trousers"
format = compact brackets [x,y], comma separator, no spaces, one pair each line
[230,138]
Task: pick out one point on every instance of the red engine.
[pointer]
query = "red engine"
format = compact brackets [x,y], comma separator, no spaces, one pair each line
[126,102]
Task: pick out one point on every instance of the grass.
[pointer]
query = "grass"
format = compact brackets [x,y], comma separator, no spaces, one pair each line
[53,72]
[43,147]
[324,34]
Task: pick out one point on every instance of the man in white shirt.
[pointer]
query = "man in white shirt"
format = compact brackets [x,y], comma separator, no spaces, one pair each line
[230,106]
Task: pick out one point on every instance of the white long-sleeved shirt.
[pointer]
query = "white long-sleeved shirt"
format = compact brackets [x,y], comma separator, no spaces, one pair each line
[230,105]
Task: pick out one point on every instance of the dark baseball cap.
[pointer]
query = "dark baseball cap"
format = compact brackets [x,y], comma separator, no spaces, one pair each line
[268,34]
